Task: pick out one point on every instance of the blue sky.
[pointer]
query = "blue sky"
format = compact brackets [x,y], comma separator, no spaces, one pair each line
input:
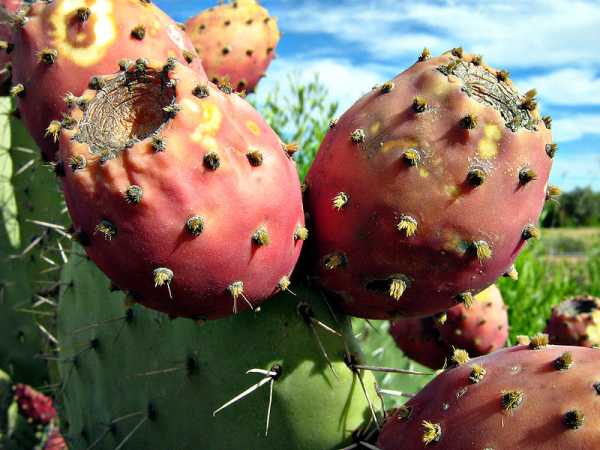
[547,44]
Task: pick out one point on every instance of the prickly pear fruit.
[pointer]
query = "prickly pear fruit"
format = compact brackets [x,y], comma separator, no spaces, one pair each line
[59,46]
[236,41]
[55,441]
[479,329]
[34,405]
[183,194]
[427,188]
[544,399]
[132,377]
[31,220]
[420,340]
[27,417]
[575,321]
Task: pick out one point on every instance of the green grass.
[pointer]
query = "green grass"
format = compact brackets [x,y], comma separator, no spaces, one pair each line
[547,276]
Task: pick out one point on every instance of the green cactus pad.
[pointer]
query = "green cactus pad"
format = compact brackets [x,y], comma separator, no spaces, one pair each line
[132,377]
[28,191]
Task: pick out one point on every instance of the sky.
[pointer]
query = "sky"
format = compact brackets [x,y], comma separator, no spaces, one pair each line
[550,45]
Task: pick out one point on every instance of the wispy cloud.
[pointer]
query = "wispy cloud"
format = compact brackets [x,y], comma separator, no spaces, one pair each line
[344,81]
[573,127]
[567,87]
[517,34]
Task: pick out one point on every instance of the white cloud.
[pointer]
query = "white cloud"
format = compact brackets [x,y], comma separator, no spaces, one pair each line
[344,81]
[566,87]
[515,34]
[573,127]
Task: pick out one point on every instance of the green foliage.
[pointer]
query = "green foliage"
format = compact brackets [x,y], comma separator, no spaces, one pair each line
[577,208]
[545,279]
[300,113]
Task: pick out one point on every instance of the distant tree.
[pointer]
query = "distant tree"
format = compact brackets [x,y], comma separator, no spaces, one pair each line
[577,208]
[300,113]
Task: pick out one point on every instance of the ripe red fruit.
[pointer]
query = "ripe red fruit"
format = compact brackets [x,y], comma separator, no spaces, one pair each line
[183,194]
[426,190]
[236,41]
[542,399]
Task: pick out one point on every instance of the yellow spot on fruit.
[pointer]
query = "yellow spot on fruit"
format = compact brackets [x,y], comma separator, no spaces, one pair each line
[452,191]
[488,145]
[399,145]
[375,127]
[423,172]
[210,123]
[253,127]
[102,31]
[593,330]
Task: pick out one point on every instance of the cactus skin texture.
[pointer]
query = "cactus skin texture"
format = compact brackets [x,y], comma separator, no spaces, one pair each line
[203,256]
[422,190]
[27,418]
[236,41]
[28,191]
[88,38]
[480,329]
[117,362]
[542,399]
[575,321]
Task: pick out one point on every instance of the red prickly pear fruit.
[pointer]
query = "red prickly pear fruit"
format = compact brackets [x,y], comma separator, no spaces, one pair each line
[55,441]
[427,188]
[479,329]
[542,399]
[420,340]
[61,45]
[236,42]
[34,405]
[185,194]
[575,321]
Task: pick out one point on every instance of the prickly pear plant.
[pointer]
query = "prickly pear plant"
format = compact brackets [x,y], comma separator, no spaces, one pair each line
[55,441]
[575,321]
[408,187]
[236,41]
[480,327]
[132,175]
[27,417]
[284,377]
[420,340]
[537,397]
[64,44]
[399,377]
[31,251]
